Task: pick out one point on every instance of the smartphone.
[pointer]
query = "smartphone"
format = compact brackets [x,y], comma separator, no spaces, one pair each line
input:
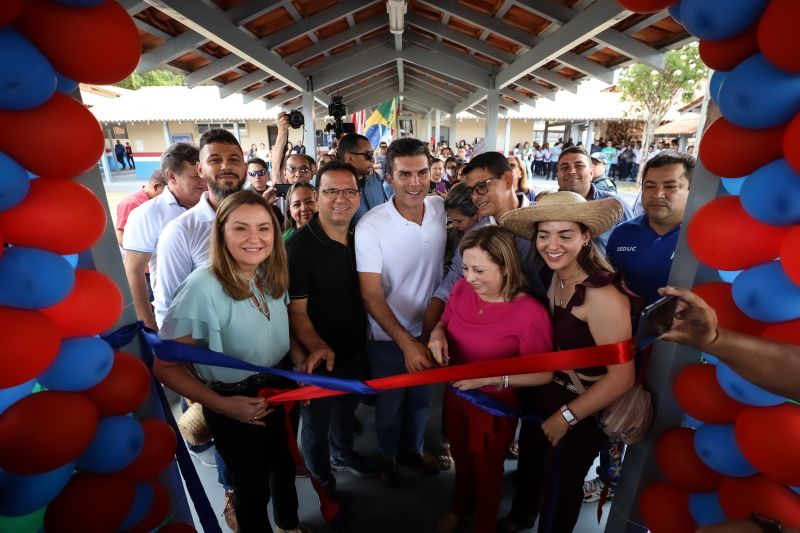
[281,189]
[655,320]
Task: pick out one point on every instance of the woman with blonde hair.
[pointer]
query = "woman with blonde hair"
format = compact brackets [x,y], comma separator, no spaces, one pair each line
[520,183]
[590,305]
[237,306]
[488,316]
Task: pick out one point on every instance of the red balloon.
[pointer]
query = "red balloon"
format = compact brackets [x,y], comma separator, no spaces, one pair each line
[784,331]
[90,502]
[124,388]
[718,295]
[725,54]
[177,527]
[791,143]
[676,457]
[776,22]
[723,236]
[157,454]
[9,10]
[57,215]
[753,148]
[769,437]
[646,6]
[44,431]
[790,254]
[30,345]
[93,306]
[699,393]
[758,494]
[158,511]
[665,509]
[74,138]
[76,39]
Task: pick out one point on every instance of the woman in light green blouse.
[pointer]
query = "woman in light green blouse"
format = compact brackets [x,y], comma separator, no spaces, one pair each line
[237,306]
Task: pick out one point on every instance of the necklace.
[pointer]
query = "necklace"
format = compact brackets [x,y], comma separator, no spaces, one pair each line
[260,304]
[561,283]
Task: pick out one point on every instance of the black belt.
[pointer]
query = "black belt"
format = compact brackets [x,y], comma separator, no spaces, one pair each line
[567,384]
[254,382]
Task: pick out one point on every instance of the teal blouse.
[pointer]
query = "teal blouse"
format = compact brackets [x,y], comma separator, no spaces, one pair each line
[202,309]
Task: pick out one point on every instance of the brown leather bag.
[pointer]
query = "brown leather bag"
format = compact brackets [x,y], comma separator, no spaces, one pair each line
[629,417]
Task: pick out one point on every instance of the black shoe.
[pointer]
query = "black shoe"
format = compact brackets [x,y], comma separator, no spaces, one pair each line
[389,472]
[425,462]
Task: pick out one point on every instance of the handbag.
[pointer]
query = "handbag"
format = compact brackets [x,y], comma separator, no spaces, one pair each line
[629,417]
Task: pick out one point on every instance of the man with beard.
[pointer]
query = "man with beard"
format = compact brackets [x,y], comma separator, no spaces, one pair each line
[184,244]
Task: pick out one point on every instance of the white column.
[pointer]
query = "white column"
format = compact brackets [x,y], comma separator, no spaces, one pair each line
[167,138]
[492,105]
[507,141]
[438,127]
[309,114]
[589,135]
[428,128]
[453,128]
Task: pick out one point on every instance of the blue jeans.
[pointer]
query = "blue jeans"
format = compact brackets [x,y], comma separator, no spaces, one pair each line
[328,425]
[400,414]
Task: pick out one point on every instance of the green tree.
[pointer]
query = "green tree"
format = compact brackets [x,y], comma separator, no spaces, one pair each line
[151,79]
[652,93]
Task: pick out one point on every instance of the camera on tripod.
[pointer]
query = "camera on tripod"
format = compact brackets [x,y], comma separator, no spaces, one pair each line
[337,110]
[295,119]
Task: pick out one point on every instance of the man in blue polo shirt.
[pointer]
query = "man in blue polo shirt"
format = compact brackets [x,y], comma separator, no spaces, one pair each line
[642,248]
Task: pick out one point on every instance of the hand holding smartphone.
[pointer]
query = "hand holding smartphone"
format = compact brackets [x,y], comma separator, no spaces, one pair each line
[655,320]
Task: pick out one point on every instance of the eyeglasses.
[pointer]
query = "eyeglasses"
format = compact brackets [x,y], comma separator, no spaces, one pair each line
[254,173]
[334,193]
[301,170]
[482,187]
[367,155]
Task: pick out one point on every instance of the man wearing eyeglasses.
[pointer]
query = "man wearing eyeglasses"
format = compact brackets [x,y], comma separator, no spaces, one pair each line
[356,150]
[327,316]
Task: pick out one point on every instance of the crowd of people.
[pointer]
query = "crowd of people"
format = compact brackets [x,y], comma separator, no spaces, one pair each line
[371,263]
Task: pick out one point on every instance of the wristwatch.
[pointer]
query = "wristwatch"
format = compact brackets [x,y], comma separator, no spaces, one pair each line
[568,415]
[767,524]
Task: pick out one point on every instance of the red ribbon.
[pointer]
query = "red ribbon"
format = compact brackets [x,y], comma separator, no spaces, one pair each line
[607,354]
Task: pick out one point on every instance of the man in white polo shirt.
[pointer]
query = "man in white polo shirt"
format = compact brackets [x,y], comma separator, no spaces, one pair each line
[185,243]
[145,223]
[399,253]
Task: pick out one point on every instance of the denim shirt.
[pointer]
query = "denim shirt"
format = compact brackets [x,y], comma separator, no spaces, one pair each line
[373,194]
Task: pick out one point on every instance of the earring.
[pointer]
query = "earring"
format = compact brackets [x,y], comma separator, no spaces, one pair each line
[586,244]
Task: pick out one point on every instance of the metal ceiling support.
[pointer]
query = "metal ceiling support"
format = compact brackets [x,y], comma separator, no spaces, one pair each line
[495,25]
[213,70]
[348,54]
[509,106]
[440,88]
[171,49]
[562,82]
[587,66]
[283,98]
[315,21]
[370,100]
[133,6]
[503,9]
[262,91]
[422,71]
[460,38]
[535,88]
[214,25]
[438,63]
[336,40]
[492,104]
[452,54]
[423,95]
[400,75]
[356,90]
[332,76]
[309,116]
[521,98]
[246,81]
[364,77]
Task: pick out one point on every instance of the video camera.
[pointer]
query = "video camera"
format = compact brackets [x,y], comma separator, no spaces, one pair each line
[337,110]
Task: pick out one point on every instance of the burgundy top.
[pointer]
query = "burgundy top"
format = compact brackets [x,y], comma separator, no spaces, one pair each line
[570,332]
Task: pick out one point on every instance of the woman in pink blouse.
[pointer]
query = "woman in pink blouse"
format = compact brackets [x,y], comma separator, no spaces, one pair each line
[488,317]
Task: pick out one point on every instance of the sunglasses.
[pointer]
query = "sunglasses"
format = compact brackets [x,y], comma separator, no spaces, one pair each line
[254,173]
[367,155]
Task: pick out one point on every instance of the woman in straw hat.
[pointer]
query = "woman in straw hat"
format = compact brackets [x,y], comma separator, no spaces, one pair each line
[590,306]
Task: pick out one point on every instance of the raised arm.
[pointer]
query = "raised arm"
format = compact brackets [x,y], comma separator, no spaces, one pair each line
[279,148]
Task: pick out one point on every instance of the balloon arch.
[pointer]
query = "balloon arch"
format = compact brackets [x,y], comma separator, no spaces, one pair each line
[72,455]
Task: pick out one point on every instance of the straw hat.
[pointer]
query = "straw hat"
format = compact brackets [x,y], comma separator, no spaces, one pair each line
[597,215]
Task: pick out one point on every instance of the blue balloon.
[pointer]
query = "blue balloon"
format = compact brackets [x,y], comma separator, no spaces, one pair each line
[720,19]
[729,275]
[764,292]
[772,194]
[675,12]
[743,391]
[757,94]
[14,182]
[716,446]
[691,422]
[27,79]
[733,185]
[31,278]
[115,445]
[795,489]
[708,358]
[142,502]
[72,259]
[12,395]
[21,494]
[715,84]
[64,84]
[706,508]
[81,363]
